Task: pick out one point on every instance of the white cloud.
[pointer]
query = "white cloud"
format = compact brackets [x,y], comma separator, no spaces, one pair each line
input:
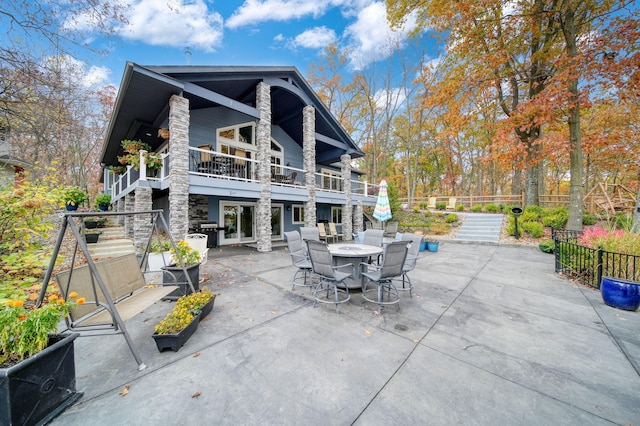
[75,72]
[255,11]
[371,38]
[315,38]
[389,98]
[173,23]
[96,76]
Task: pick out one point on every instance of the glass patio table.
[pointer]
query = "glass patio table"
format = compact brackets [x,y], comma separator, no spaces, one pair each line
[343,254]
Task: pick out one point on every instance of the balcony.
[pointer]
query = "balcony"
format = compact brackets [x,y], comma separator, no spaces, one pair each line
[215,173]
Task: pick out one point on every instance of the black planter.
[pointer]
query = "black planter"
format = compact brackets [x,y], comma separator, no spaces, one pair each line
[175,341]
[39,388]
[91,238]
[206,309]
[176,276]
[90,224]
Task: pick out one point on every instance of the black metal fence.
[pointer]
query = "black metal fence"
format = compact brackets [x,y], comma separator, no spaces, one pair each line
[589,265]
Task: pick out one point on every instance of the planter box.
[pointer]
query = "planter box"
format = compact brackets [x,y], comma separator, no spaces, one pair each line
[181,280]
[432,246]
[206,309]
[39,388]
[175,341]
[90,224]
[620,293]
[423,246]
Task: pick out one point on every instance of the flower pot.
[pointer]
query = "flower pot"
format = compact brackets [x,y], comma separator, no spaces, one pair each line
[620,293]
[71,207]
[103,208]
[423,246]
[432,246]
[39,388]
[175,341]
[157,261]
[91,238]
[180,279]
[90,224]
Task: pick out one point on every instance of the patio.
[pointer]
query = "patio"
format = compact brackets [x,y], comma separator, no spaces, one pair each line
[491,336]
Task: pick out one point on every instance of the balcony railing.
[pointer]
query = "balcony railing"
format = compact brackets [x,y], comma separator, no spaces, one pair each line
[203,162]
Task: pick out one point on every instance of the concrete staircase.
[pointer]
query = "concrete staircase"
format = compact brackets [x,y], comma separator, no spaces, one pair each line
[480,227]
[112,243]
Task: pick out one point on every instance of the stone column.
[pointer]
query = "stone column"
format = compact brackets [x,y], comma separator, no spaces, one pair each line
[129,206]
[142,223]
[347,209]
[179,166]
[358,218]
[120,207]
[309,153]
[263,144]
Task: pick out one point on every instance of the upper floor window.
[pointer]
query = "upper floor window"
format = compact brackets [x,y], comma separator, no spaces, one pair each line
[331,180]
[237,140]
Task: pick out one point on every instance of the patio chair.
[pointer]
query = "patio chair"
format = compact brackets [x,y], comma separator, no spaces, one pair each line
[327,290]
[373,237]
[299,258]
[383,275]
[391,229]
[451,204]
[322,231]
[198,242]
[334,232]
[431,205]
[309,233]
[413,251]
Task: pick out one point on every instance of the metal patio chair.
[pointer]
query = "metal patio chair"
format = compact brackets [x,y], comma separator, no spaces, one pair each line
[329,276]
[299,258]
[383,275]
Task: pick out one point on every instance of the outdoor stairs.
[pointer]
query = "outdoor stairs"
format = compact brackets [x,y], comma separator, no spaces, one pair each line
[111,243]
[481,227]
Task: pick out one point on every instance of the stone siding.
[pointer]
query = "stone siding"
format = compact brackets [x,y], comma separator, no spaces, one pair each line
[309,153]
[179,166]
[263,144]
[142,223]
[347,209]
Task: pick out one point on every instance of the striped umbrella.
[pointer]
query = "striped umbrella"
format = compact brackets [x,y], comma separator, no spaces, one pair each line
[382,212]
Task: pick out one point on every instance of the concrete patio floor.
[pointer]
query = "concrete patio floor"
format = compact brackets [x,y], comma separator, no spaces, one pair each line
[492,335]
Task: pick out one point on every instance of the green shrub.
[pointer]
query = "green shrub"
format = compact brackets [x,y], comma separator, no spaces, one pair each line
[623,221]
[441,205]
[556,218]
[528,217]
[588,219]
[491,208]
[460,208]
[450,218]
[547,246]
[534,209]
[423,205]
[477,208]
[535,229]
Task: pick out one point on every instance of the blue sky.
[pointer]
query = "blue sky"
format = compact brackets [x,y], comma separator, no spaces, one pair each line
[250,32]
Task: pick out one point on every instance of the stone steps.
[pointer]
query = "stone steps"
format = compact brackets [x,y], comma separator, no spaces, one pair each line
[480,227]
[112,243]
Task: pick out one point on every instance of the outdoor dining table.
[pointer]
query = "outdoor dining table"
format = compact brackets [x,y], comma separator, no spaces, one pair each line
[343,254]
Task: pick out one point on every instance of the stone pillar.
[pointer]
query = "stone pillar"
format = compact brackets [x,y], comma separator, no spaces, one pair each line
[129,206]
[142,223]
[347,209]
[358,218]
[309,153]
[179,166]
[120,207]
[263,144]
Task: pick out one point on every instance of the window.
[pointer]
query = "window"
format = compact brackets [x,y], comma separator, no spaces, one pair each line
[336,214]
[331,180]
[298,214]
[234,138]
[277,157]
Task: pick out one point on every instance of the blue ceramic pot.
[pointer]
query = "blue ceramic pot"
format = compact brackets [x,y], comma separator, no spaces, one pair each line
[620,294]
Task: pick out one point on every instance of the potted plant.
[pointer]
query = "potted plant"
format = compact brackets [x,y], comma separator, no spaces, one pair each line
[185,258]
[34,360]
[153,161]
[91,236]
[432,244]
[103,201]
[159,254]
[90,222]
[73,197]
[179,324]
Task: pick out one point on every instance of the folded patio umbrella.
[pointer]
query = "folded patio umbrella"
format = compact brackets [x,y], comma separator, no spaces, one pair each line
[382,211]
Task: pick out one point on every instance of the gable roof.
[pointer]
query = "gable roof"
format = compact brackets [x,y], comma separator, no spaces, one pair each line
[142,104]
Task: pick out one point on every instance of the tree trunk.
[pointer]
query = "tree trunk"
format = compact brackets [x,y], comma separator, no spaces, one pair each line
[575,140]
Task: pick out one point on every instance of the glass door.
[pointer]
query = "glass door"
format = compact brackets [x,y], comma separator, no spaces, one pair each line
[239,219]
[276,222]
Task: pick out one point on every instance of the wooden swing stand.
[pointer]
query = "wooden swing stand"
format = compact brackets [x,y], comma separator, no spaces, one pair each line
[115,288]
[608,199]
